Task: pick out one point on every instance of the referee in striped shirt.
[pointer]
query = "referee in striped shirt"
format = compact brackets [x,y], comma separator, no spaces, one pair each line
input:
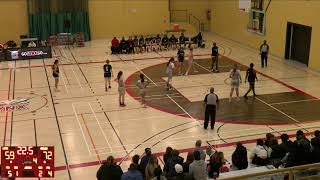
[211,102]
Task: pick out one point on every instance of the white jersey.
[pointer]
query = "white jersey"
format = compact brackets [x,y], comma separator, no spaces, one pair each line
[235,75]
[170,68]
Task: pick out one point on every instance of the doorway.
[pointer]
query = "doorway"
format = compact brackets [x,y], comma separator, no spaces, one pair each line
[298,42]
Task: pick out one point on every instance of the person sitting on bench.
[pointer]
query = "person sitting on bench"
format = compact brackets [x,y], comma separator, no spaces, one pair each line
[198,39]
[114,46]
[182,40]
[173,42]
[165,41]
[158,40]
[142,44]
[130,46]
[136,44]
[123,45]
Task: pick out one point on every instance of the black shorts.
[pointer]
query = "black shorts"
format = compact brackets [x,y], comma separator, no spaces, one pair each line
[55,75]
[108,74]
[251,84]
[181,60]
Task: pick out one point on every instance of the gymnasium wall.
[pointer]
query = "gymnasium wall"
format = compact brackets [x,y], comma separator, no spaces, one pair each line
[229,22]
[197,7]
[110,18]
[14,19]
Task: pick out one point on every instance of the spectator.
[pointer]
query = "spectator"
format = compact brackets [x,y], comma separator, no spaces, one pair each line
[158,39]
[240,158]
[182,40]
[135,160]
[142,44]
[109,170]
[216,165]
[300,135]
[32,44]
[280,150]
[198,168]
[171,162]
[167,154]
[165,41]
[152,165]
[259,155]
[132,174]
[173,42]
[179,175]
[145,159]
[198,148]
[198,39]
[115,46]
[130,45]
[123,45]
[190,159]
[270,140]
[158,174]
[315,142]
[136,44]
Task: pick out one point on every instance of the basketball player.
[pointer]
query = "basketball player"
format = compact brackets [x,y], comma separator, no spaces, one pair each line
[190,62]
[169,72]
[55,74]
[108,73]
[251,76]
[264,51]
[180,56]
[142,85]
[235,81]
[121,88]
[214,56]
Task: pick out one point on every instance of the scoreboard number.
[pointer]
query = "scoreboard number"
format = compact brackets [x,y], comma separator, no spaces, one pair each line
[9,155]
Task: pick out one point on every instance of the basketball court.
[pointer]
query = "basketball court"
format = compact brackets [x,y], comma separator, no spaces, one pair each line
[85,124]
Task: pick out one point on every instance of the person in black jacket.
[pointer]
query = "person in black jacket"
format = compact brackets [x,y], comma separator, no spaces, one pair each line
[109,170]
[240,157]
[144,160]
[280,150]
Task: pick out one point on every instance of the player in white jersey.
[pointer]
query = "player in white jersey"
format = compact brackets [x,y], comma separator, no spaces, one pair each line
[169,72]
[235,81]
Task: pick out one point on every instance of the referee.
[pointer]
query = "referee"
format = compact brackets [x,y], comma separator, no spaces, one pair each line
[211,101]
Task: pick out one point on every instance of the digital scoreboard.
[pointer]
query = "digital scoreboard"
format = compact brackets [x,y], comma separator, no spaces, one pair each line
[27,161]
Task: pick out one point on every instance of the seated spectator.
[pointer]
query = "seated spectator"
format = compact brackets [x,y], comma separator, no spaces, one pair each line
[182,40]
[280,150]
[271,140]
[151,166]
[173,42]
[259,155]
[316,140]
[109,170]
[171,161]
[198,148]
[190,159]
[315,152]
[299,136]
[158,174]
[167,154]
[130,46]
[32,44]
[198,168]
[240,158]
[158,39]
[136,44]
[165,41]
[114,46]
[135,160]
[179,174]
[123,45]
[145,159]
[215,165]
[142,44]
[132,174]
[198,39]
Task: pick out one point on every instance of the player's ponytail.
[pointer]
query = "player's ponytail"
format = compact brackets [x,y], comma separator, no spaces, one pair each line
[142,78]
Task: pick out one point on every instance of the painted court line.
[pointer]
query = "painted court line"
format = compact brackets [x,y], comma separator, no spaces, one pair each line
[289,102]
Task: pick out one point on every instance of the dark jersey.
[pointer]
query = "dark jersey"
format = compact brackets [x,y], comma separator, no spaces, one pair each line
[173,39]
[215,51]
[55,71]
[107,68]
[251,73]
[141,41]
[180,54]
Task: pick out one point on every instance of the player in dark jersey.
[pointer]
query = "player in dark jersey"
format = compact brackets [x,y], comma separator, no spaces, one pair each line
[214,58]
[251,76]
[55,74]
[180,55]
[108,73]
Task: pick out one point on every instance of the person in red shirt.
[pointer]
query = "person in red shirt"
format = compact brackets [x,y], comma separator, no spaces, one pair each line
[114,46]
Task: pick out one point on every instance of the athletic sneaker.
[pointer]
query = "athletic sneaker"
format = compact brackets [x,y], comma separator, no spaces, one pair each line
[106,89]
[109,87]
[245,96]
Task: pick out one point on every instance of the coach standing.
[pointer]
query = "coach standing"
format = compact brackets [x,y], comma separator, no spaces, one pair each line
[211,102]
[264,51]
